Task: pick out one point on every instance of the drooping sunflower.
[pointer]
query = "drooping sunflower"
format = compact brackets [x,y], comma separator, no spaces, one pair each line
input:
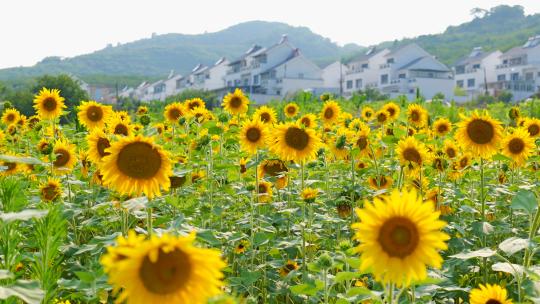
[51,190]
[361,141]
[519,145]
[275,168]
[165,269]
[357,125]
[380,182]
[11,167]
[49,104]
[399,235]
[265,191]
[193,103]
[136,165]
[489,294]
[93,115]
[392,109]
[330,112]
[10,116]
[98,143]
[338,145]
[442,126]
[200,114]
[533,127]
[291,141]
[173,112]
[64,157]
[291,110]
[266,115]
[411,152]
[119,127]
[367,113]
[417,115]
[236,102]
[309,120]
[450,149]
[44,147]
[464,161]
[479,134]
[288,267]
[253,136]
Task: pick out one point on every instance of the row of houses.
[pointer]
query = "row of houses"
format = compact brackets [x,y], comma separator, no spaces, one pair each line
[278,70]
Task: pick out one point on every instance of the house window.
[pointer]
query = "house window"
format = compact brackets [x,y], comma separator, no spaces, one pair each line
[273,74]
[460,83]
[390,60]
[470,83]
[476,66]
[229,83]
[256,79]
[278,92]
[349,84]
[246,81]
[460,69]
[514,76]
[505,61]
[237,82]
[384,79]
[402,76]
[365,65]
[301,75]
[179,83]
[358,83]
[529,76]
[501,77]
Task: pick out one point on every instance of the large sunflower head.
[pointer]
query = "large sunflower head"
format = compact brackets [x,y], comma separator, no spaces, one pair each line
[288,267]
[98,143]
[173,112]
[10,116]
[380,182]
[330,112]
[292,141]
[93,115]
[392,109]
[479,134]
[417,115]
[136,165]
[450,149]
[236,102]
[411,152]
[253,136]
[65,157]
[51,190]
[308,120]
[533,127]
[266,115]
[291,110]
[442,126]
[165,269]
[489,294]
[49,104]
[119,127]
[399,235]
[273,168]
[367,113]
[518,145]
[361,141]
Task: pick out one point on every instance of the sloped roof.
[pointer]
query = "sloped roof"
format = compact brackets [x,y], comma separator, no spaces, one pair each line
[426,63]
[399,48]
[472,58]
[293,54]
[367,55]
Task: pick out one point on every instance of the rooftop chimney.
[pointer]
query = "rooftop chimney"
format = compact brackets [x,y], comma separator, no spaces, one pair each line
[284,39]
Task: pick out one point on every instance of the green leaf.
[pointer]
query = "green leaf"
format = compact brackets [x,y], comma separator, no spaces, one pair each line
[513,245]
[23,215]
[501,157]
[353,262]
[27,291]
[84,276]
[21,159]
[261,238]
[513,269]
[525,200]
[309,289]
[482,253]
[346,276]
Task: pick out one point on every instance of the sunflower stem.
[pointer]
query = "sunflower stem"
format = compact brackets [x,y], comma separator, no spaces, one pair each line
[149,227]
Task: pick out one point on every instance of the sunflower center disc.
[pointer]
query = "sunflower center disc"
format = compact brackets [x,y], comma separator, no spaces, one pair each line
[262,189]
[290,267]
[62,158]
[493,301]
[381,117]
[451,152]
[306,122]
[533,129]
[291,110]
[296,138]
[174,114]
[480,131]
[415,116]
[121,129]
[328,113]
[168,274]
[362,142]
[10,166]
[516,145]
[177,181]
[265,117]
[391,111]
[398,237]
[412,155]
[236,102]
[10,117]
[49,104]
[103,144]
[94,113]
[139,160]
[253,134]
[49,192]
[442,128]
[275,168]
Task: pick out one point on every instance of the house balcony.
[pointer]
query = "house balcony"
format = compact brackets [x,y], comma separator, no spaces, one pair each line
[355,71]
[385,66]
[515,85]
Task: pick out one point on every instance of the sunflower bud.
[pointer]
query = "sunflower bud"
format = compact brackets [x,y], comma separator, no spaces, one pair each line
[144,120]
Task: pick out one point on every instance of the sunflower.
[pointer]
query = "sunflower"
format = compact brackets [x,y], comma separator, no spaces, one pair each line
[533,127]
[65,157]
[381,182]
[200,114]
[450,149]
[10,167]
[241,247]
[173,112]
[165,269]
[136,165]
[361,141]
[177,181]
[518,145]
[197,176]
[265,191]
[142,110]
[93,115]
[464,161]
[117,126]
[417,115]
[392,109]
[381,117]
[330,112]
[98,143]
[33,121]
[236,102]
[291,141]
[489,294]
[253,136]
[308,120]
[367,113]
[338,144]
[49,104]
[44,147]
[442,126]
[10,116]
[287,268]
[291,110]
[479,134]
[275,168]
[266,115]
[309,194]
[358,125]
[51,190]
[242,163]
[399,236]
[344,209]
[514,113]
[193,103]
[411,153]
[121,115]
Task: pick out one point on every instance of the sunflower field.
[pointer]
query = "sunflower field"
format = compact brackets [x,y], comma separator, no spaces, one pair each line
[306,201]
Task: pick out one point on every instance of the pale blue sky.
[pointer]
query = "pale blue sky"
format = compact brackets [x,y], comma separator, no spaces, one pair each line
[33,29]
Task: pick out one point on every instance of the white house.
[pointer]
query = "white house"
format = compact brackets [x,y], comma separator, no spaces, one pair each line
[211,78]
[363,71]
[333,76]
[519,70]
[475,71]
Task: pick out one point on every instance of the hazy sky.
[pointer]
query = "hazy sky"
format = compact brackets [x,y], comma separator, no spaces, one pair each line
[33,29]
